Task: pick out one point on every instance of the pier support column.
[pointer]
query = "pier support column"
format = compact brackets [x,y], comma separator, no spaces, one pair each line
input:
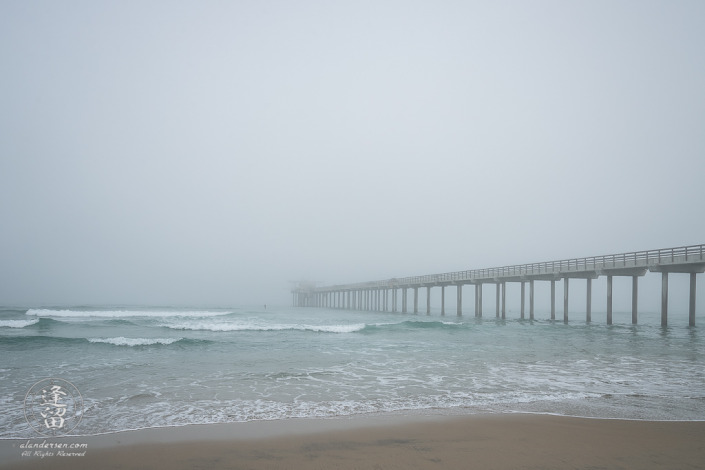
[403,300]
[479,300]
[428,300]
[522,300]
[588,305]
[394,299]
[531,299]
[504,300]
[443,300]
[476,311]
[553,300]
[635,297]
[609,300]
[416,300]
[460,300]
[691,308]
[664,299]
[497,301]
[565,300]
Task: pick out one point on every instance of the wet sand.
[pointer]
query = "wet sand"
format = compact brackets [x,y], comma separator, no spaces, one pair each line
[514,441]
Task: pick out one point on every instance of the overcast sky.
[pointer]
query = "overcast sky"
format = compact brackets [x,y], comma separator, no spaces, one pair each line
[209,152]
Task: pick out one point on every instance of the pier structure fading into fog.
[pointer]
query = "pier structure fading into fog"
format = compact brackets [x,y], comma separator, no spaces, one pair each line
[383,295]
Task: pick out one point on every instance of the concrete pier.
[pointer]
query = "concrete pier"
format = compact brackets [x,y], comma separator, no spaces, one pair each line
[443,300]
[504,300]
[609,300]
[565,300]
[522,300]
[479,299]
[531,299]
[588,302]
[553,299]
[664,298]
[374,296]
[692,268]
[460,300]
[635,298]
[691,303]
[428,300]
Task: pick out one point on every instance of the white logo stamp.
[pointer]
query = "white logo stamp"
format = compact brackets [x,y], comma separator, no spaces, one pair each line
[53,407]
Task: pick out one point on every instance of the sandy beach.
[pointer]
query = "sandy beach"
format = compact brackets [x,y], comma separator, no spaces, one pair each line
[515,441]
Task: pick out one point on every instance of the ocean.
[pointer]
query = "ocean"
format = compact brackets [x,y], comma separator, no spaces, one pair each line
[155,367]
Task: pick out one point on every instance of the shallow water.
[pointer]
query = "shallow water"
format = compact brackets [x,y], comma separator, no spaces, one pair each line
[149,367]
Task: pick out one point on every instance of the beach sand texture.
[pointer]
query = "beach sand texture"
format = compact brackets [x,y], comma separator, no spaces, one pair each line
[470,442]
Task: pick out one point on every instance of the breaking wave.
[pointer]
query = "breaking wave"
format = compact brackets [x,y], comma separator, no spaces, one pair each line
[121,313]
[17,323]
[122,341]
[225,326]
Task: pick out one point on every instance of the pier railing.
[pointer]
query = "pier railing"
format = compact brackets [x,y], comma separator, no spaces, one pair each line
[664,256]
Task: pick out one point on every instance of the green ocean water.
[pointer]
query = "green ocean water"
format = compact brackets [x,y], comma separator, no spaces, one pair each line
[138,367]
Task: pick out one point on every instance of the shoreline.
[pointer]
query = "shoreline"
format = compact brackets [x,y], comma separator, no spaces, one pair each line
[429,440]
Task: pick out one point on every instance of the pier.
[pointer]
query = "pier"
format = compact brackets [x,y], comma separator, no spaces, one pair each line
[383,295]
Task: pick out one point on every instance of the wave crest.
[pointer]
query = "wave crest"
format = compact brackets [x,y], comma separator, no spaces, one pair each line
[120,313]
[122,341]
[18,323]
[223,326]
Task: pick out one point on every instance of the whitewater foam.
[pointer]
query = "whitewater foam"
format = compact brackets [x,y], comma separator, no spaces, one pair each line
[122,341]
[17,323]
[226,326]
[121,313]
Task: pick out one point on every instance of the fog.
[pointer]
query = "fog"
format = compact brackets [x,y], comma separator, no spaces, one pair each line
[208,153]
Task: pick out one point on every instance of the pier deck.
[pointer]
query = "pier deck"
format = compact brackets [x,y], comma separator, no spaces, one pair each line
[376,295]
